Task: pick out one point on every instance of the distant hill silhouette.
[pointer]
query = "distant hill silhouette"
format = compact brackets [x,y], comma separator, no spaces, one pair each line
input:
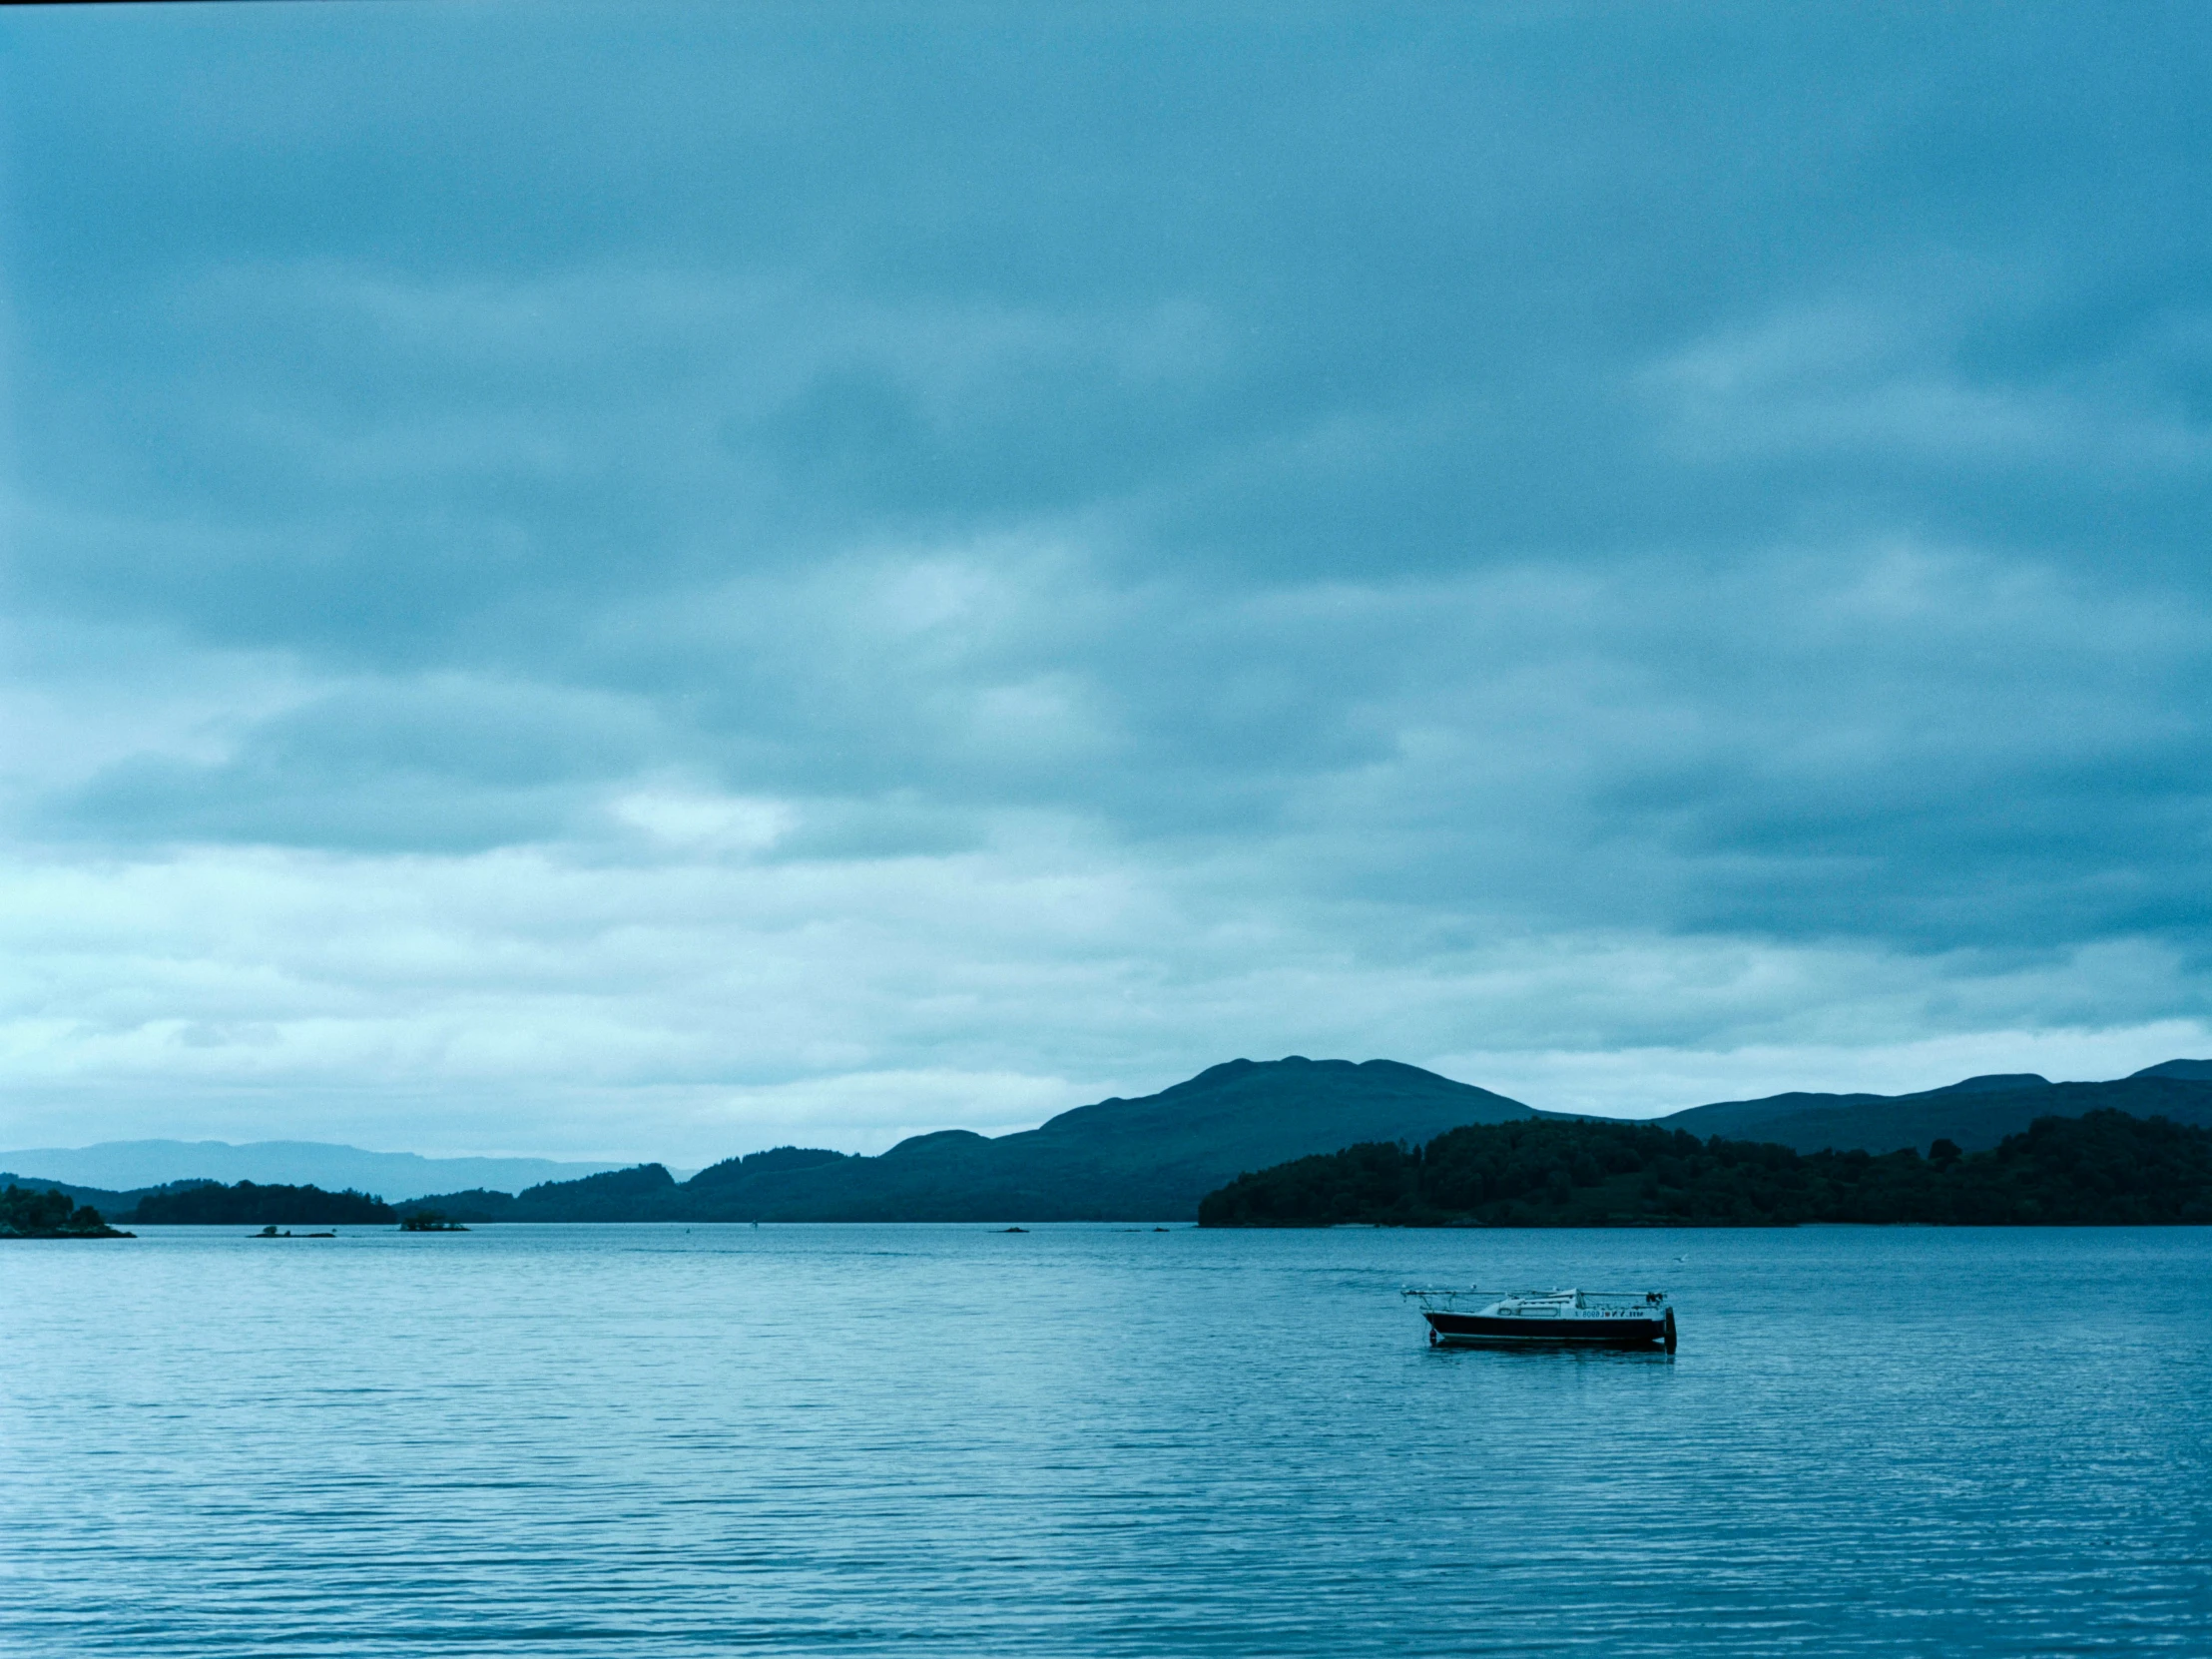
[1977,1113]
[2194,1071]
[1154,1157]
[645,1193]
[1148,1159]
[127,1166]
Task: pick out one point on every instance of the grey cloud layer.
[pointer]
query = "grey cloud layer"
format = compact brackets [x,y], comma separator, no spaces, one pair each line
[1391,483]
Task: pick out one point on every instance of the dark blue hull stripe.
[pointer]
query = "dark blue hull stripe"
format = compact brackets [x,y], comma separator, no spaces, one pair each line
[1635,1333]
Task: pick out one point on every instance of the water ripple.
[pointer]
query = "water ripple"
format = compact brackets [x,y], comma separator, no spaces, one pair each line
[855,1440]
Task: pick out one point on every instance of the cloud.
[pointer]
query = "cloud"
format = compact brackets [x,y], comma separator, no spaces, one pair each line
[666,578]
[1905,383]
[696,1007]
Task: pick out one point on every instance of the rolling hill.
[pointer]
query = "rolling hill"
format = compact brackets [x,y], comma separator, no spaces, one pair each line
[1148,1159]
[1977,1113]
[1152,1158]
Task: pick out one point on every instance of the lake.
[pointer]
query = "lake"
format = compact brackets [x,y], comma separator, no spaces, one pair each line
[1088,1440]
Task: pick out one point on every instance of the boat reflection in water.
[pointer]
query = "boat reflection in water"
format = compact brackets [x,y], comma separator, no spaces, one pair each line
[1522,1318]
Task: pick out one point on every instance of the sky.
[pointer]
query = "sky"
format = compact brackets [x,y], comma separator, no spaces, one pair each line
[648,581]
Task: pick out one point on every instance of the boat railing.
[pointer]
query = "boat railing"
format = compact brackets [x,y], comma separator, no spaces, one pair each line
[1582,1298]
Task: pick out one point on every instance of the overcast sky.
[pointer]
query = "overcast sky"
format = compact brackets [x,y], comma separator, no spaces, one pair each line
[648,581]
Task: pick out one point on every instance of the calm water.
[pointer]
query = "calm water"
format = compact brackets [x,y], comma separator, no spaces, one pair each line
[1089,1442]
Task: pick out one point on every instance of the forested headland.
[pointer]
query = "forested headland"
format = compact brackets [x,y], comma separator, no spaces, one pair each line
[50,1215]
[2104,1168]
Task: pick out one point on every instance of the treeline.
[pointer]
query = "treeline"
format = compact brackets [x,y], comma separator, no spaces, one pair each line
[646,1193]
[635,1194]
[50,1215]
[254,1205]
[727,1191]
[2102,1169]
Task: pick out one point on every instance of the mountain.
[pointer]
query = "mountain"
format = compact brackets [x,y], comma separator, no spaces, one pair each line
[1152,1158]
[1148,1159]
[2194,1071]
[1977,1113]
[127,1165]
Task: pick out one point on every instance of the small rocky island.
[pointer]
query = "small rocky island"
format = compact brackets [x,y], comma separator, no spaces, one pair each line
[51,1215]
[429,1221]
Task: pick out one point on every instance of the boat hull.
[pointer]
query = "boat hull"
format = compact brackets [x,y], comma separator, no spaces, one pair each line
[1489,1330]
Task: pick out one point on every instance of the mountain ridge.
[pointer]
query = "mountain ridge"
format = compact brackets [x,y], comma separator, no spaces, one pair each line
[1057,1171]
[126,1166]
[1977,1113]
[1153,1157]
[1149,1158]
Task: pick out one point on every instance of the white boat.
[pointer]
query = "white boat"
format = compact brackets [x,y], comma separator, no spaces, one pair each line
[1603,1319]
